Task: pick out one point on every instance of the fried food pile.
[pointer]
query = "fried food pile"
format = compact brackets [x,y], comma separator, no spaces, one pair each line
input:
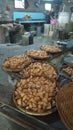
[40,69]
[68,69]
[38,54]
[50,49]
[35,94]
[16,63]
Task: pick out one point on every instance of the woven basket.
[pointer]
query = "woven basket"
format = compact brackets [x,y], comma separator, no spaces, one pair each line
[64,103]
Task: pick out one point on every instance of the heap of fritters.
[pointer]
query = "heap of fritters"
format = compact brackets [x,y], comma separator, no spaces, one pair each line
[16,63]
[68,69]
[40,69]
[35,94]
[50,49]
[37,54]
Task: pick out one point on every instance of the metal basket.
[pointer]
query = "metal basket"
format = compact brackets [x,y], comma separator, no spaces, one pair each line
[64,103]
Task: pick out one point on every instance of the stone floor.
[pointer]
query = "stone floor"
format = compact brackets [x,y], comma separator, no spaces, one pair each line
[9,50]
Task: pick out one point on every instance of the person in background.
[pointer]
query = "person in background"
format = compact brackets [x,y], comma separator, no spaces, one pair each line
[52,13]
[47,17]
[53,17]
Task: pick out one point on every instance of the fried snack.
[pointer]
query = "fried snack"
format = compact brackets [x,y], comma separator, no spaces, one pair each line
[68,69]
[39,69]
[35,94]
[16,63]
[50,49]
[37,54]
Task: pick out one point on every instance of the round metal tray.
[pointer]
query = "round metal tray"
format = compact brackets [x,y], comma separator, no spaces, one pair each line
[33,56]
[52,52]
[50,111]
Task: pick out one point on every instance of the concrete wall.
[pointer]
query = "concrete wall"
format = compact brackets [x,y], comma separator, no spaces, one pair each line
[32,7]
[4,3]
[67,6]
